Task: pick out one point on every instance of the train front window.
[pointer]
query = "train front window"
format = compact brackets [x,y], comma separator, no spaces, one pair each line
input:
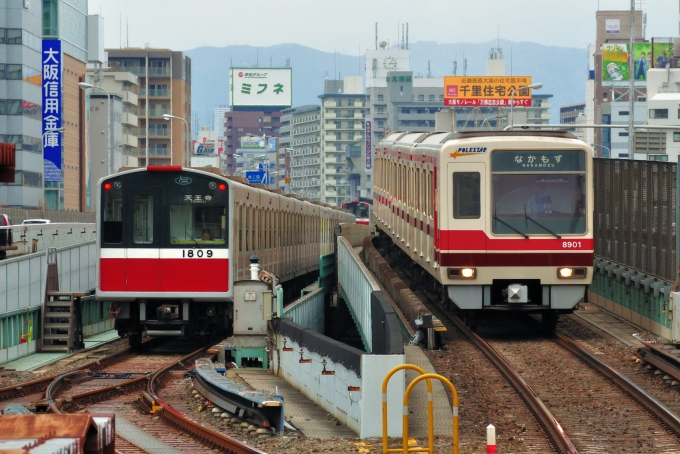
[112,213]
[197,225]
[539,192]
[142,222]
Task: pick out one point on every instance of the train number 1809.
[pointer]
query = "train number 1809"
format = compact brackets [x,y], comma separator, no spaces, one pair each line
[571,244]
[191,253]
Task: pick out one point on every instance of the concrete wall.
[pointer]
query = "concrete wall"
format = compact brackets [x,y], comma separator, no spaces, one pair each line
[360,410]
[40,237]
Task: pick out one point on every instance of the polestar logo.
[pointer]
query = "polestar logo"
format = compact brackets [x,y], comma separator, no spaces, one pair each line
[183,180]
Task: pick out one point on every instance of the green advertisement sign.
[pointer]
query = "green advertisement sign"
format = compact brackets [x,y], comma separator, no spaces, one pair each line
[645,56]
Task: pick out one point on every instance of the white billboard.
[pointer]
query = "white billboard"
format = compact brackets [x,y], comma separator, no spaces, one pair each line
[261,87]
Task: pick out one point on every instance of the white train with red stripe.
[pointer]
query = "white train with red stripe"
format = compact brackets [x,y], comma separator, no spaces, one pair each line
[493,220]
[172,241]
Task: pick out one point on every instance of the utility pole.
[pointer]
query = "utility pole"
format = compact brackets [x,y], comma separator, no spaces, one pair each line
[631,84]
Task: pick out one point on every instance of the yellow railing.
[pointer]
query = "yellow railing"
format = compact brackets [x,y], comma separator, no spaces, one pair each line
[430,411]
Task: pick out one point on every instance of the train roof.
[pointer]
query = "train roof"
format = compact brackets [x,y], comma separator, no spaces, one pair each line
[440,137]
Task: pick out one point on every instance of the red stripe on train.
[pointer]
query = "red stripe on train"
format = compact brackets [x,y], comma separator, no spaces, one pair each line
[520,259]
[478,240]
[167,275]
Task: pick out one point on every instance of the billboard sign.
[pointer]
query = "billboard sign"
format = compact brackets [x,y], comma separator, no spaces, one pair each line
[261,87]
[468,91]
[52,112]
[612,26]
[369,148]
[205,148]
[645,56]
[256,143]
[271,145]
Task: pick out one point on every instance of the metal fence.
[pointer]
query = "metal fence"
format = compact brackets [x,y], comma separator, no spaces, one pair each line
[18,215]
[635,205]
[356,286]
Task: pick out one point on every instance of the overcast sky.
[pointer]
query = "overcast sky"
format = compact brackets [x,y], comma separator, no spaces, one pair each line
[348,26]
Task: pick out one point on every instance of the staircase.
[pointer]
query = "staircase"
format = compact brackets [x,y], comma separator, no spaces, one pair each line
[62,322]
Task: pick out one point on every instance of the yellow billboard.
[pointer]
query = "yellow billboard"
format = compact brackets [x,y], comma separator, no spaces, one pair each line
[473,91]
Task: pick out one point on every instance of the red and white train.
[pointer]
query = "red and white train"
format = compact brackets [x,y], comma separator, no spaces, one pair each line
[172,241]
[361,210]
[494,220]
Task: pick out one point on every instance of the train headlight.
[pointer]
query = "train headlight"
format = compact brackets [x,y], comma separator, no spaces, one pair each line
[571,273]
[462,273]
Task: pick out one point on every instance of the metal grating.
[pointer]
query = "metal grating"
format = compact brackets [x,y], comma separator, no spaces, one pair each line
[634,222]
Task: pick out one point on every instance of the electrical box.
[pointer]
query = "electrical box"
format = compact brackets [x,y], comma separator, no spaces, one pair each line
[267,305]
[250,299]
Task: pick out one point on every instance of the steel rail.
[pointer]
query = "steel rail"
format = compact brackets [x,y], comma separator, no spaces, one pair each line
[35,386]
[172,416]
[638,394]
[545,418]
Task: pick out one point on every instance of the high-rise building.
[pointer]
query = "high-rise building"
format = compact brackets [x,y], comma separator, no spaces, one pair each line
[301,141]
[239,124]
[164,89]
[218,119]
[20,95]
[343,150]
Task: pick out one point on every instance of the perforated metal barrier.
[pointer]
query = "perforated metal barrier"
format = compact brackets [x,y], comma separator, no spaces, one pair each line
[635,203]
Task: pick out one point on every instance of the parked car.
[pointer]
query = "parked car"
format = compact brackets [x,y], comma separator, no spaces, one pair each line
[36,221]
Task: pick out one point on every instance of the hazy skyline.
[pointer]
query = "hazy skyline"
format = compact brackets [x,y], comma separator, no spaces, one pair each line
[348,27]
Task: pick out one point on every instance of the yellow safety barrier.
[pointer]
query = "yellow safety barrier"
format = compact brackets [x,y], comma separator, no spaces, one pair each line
[430,411]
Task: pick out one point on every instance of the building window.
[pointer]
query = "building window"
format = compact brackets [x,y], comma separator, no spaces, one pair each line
[381,124]
[623,134]
[381,110]
[658,114]
[623,113]
[13,36]
[430,98]
[421,97]
[676,137]
[658,157]
[605,95]
[50,18]
[381,97]
[441,97]
[13,72]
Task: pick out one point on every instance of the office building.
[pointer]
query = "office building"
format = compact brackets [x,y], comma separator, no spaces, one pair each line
[218,119]
[164,78]
[20,95]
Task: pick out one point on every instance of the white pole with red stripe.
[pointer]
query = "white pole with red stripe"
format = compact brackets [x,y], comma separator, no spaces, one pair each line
[490,439]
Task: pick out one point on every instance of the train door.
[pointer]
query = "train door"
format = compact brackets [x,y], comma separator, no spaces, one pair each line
[143,269]
[464,227]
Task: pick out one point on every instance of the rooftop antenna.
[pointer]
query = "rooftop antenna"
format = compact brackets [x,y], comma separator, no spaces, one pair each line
[455,67]
[429,73]
[403,36]
[270,61]
[464,65]
[257,57]
[406,35]
[376,35]
[127,26]
[397,45]
[335,64]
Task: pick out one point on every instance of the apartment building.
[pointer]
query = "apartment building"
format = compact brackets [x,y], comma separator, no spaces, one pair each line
[164,80]
[301,140]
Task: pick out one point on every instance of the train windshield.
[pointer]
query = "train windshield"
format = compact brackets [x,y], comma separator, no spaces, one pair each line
[191,224]
[538,192]
[358,209]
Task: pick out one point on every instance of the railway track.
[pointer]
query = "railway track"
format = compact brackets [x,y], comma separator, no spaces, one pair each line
[579,409]
[114,385]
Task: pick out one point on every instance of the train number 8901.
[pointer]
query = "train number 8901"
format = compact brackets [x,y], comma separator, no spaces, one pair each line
[571,244]
[191,253]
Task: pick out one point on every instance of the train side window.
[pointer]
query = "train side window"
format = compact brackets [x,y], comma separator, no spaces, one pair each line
[466,195]
[142,219]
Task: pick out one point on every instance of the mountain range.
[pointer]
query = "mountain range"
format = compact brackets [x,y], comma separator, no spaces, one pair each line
[562,70]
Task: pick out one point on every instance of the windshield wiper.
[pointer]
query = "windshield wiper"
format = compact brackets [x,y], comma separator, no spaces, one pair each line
[496,218]
[194,239]
[539,224]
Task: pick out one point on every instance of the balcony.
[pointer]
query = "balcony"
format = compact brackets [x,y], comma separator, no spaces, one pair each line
[156,132]
[129,140]
[156,151]
[155,93]
[156,71]
[130,97]
[129,119]
[158,112]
